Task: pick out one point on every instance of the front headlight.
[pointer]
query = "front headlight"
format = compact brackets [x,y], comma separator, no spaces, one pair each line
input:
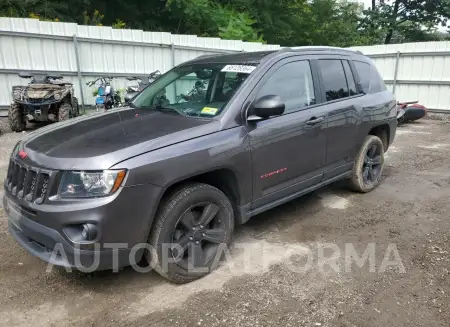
[86,184]
[57,96]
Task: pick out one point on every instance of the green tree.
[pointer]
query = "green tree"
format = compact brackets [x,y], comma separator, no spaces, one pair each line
[412,19]
[286,22]
[336,23]
[210,18]
[94,19]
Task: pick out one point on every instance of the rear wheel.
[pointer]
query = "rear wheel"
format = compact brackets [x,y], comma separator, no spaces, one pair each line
[64,112]
[16,118]
[369,165]
[193,227]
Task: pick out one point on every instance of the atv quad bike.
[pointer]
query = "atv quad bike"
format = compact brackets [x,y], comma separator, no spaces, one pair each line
[45,99]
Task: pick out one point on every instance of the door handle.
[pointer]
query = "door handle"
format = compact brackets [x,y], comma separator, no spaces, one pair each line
[315,120]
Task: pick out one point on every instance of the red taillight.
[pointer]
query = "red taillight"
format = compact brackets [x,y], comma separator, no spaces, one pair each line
[22,154]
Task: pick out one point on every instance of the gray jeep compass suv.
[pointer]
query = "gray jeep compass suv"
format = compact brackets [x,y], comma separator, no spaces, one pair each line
[209,144]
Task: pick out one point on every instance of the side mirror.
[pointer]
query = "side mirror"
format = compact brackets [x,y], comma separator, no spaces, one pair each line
[266,107]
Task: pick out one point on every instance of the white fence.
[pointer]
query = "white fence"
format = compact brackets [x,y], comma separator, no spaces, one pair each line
[82,53]
[413,71]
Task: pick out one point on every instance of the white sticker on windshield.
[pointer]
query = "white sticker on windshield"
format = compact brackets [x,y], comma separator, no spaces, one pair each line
[238,69]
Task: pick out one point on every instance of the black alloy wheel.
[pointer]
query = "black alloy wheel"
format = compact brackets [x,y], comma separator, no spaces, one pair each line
[369,164]
[372,164]
[197,235]
[193,227]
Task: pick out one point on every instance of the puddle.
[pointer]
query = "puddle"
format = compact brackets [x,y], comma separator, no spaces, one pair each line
[333,201]
[392,149]
[407,131]
[434,146]
[46,314]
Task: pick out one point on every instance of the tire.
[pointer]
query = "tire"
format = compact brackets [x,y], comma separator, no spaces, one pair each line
[64,112]
[368,168]
[76,109]
[173,213]
[16,118]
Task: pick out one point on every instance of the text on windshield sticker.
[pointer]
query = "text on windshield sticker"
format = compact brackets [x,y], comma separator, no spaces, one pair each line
[238,69]
[209,111]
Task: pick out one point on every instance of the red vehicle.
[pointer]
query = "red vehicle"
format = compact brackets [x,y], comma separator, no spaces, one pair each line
[410,111]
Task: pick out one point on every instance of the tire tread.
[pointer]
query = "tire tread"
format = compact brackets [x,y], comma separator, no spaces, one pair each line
[16,118]
[64,112]
[167,205]
[356,183]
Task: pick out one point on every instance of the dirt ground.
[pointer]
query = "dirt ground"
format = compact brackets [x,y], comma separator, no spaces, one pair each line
[407,216]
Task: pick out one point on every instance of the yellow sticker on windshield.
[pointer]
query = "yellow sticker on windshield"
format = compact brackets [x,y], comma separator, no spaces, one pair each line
[209,111]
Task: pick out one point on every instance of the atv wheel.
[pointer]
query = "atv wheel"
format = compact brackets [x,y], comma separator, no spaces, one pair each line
[369,165]
[65,111]
[193,228]
[76,109]
[16,118]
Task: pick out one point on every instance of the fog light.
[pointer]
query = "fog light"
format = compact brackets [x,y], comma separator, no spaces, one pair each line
[89,232]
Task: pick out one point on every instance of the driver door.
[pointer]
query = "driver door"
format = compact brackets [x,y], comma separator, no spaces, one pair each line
[288,151]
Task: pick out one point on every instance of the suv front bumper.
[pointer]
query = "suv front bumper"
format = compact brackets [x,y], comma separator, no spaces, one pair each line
[123,222]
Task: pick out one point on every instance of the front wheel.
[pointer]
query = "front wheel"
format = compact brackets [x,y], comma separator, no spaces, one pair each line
[65,111]
[16,118]
[193,227]
[369,165]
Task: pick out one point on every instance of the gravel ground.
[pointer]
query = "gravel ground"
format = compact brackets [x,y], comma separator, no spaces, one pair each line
[405,220]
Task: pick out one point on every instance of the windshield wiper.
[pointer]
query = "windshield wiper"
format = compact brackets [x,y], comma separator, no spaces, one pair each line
[178,111]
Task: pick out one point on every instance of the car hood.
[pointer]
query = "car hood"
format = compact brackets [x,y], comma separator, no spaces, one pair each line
[99,141]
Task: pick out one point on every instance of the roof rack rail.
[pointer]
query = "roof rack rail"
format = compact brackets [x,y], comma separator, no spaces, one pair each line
[322,47]
[209,55]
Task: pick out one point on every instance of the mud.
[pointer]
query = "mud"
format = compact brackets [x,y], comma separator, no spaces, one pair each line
[268,281]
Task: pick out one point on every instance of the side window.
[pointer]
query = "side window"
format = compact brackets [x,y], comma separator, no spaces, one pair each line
[370,78]
[350,79]
[334,79]
[364,72]
[227,85]
[293,82]
[190,86]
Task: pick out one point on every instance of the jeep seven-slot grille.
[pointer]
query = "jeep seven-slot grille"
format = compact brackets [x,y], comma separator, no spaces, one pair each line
[26,182]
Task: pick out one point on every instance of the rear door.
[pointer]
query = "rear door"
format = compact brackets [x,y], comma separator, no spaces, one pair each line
[344,113]
[288,152]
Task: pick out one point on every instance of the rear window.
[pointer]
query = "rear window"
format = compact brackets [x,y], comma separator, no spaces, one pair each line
[369,78]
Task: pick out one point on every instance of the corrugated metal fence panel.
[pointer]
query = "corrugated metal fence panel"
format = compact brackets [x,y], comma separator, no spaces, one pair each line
[423,69]
[386,67]
[49,47]
[36,54]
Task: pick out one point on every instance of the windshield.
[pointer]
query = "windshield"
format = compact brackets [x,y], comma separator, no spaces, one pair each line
[199,90]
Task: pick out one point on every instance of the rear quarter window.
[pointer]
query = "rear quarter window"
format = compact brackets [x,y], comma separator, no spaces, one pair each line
[369,78]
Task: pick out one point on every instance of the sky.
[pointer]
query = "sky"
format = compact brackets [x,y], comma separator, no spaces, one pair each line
[367,3]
